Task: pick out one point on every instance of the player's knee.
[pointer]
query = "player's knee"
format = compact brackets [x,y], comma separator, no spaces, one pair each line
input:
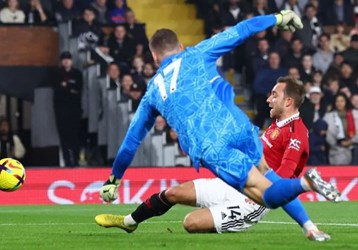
[173,195]
[190,223]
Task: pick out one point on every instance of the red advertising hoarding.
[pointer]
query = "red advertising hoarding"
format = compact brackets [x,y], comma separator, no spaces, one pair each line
[78,186]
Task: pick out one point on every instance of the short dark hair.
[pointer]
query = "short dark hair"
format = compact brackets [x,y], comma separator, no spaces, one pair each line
[324,35]
[163,40]
[309,5]
[294,89]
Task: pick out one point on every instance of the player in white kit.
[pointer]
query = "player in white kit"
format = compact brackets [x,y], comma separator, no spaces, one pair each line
[230,211]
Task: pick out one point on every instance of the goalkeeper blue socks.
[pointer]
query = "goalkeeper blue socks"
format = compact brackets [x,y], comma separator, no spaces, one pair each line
[281,192]
[295,208]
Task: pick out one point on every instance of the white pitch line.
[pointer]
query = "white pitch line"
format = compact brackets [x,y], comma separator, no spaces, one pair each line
[323,224]
[169,222]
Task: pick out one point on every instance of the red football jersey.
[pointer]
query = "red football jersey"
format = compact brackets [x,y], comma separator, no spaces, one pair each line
[286,146]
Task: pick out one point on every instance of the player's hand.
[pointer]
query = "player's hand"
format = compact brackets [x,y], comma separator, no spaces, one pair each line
[109,190]
[288,20]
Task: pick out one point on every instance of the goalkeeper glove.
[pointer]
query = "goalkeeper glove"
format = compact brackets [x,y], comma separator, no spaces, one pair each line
[288,20]
[109,190]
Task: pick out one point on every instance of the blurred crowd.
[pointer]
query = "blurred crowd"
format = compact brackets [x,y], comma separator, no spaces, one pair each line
[324,56]
[55,11]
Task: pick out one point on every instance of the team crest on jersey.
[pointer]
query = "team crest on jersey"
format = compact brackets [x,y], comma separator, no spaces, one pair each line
[274,134]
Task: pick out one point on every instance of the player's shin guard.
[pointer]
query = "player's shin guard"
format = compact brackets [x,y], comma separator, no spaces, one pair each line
[295,208]
[281,192]
[156,205]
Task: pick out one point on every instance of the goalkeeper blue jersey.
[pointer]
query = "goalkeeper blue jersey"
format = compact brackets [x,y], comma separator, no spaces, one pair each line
[183,92]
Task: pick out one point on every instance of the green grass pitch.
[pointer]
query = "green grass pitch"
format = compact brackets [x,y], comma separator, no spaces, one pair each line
[73,227]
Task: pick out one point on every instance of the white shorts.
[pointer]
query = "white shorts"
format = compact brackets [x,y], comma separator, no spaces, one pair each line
[231,210]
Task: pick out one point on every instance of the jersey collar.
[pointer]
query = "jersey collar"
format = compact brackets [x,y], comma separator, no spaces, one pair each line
[167,60]
[282,123]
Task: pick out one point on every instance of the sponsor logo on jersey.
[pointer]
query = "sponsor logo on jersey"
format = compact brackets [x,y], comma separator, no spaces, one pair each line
[294,144]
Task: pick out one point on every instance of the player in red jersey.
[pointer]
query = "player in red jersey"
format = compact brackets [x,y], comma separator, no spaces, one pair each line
[286,146]
[223,209]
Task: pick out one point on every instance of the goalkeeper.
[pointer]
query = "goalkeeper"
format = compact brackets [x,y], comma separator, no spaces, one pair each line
[215,134]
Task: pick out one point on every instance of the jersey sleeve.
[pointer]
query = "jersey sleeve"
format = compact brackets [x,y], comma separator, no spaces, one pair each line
[140,125]
[296,148]
[223,42]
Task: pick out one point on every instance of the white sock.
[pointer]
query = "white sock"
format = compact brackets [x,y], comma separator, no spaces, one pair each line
[129,221]
[309,226]
[305,185]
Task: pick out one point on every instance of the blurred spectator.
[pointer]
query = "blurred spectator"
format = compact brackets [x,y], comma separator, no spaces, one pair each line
[12,13]
[233,12]
[67,103]
[306,68]
[311,28]
[341,129]
[213,19]
[275,5]
[346,77]
[260,7]
[137,71]
[317,142]
[320,108]
[261,57]
[10,144]
[100,55]
[324,56]
[87,30]
[36,13]
[294,57]
[307,86]
[117,14]
[160,125]
[114,72]
[292,5]
[334,69]
[294,72]
[137,66]
[335,11]
[354,88]
[148,72]
[122,47]
[330,92]
[354,30]
[264,82]
[101,8]
[171,136]
[307,107]
[66,11]
[135,29]
[354,101]
[250,49]
[339,40]
[283,44]
[126,85]
[351,54]
[136,94]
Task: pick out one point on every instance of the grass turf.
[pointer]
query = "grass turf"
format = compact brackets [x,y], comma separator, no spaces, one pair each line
[73,227]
